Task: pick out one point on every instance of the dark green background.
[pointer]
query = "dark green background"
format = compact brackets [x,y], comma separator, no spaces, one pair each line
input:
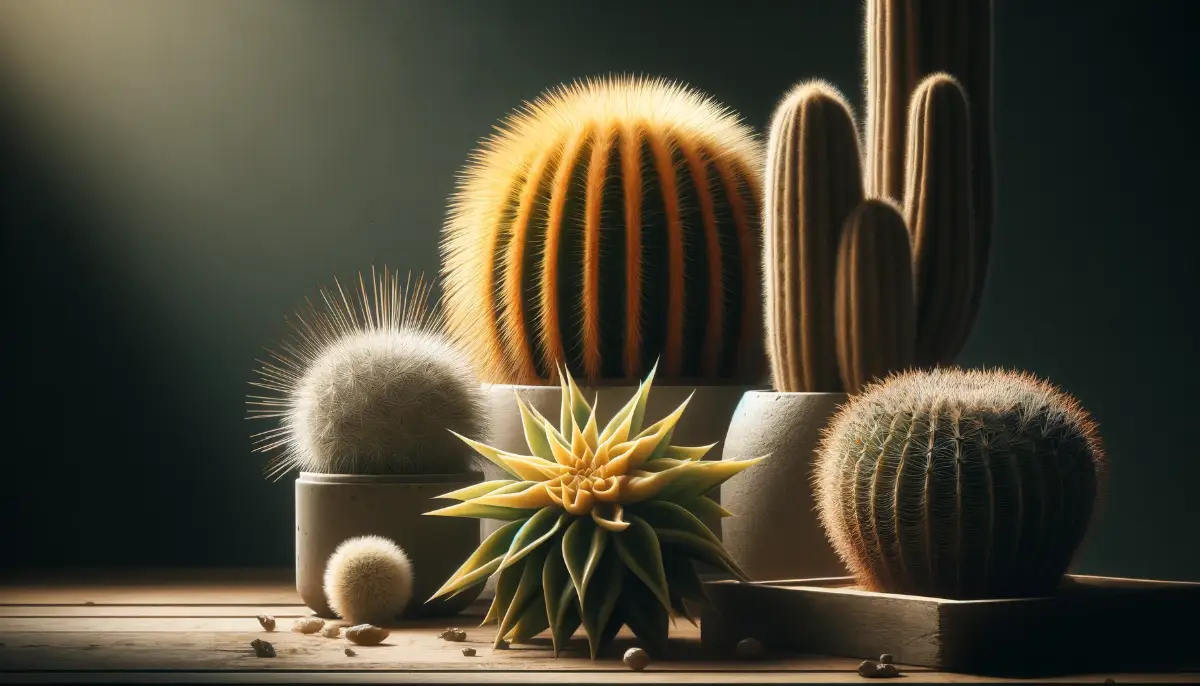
[176,175]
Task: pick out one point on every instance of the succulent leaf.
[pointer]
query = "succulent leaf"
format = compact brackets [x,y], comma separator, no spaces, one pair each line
[528,590]
[645,616]
[583,547]
[491,551]
[560,596]
[535,531]
[480,489]
[533,622]
[638,549]
[473,509]
[601,599]
[535,431]
[506,588]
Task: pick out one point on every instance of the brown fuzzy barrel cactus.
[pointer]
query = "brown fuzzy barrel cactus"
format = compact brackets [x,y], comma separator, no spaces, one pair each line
[959,484]
[876,317]
[607,225]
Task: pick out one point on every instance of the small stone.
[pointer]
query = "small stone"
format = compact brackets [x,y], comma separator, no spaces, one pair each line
[868,669]
[886,659]
[89,603]
[749,648]
[456,635]
[267,622]
[308,625]
[468,652]
[366,635]
[262,648]
[636,659]
[502,645]
[887,671]
[332,631]
[350,652]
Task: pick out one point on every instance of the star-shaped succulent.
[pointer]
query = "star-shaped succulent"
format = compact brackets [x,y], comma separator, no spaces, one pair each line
[604,525]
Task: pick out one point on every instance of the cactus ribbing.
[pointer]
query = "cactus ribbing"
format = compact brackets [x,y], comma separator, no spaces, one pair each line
[959,484]
[606,225]
[907,41]
[814,182]
[875,315]
[937,204]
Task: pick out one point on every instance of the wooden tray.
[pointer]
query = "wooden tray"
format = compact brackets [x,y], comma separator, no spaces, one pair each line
[1093,624]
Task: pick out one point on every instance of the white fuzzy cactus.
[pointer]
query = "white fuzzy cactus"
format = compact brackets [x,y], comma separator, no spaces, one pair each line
[371,387]
[368,579]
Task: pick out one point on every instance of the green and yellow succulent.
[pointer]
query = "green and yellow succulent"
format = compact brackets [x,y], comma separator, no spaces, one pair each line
[604,525]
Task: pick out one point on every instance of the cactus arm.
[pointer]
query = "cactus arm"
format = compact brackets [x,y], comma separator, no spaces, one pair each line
[937,201]
[875,315]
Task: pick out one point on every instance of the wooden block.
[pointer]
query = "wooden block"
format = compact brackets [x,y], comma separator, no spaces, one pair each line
[1093,624]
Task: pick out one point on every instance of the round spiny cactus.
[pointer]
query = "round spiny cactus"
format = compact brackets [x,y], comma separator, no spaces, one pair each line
[608,224]
[959,484]
[368,580]
[369,388]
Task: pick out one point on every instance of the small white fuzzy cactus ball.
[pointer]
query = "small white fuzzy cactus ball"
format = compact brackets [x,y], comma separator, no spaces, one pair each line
[368,580]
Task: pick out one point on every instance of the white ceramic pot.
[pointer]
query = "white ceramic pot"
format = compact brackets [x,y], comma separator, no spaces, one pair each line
[705,421]
[331,508]
[774,533]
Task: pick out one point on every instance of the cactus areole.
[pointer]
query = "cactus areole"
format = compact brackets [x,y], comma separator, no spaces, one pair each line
[604,524]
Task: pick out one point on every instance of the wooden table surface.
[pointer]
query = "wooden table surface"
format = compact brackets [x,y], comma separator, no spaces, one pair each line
[196,627]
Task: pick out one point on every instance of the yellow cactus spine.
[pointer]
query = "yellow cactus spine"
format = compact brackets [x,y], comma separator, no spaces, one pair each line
[605,225]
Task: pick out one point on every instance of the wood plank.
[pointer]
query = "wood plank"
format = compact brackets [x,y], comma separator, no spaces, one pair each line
[28,611]
[151,587]
[410,650]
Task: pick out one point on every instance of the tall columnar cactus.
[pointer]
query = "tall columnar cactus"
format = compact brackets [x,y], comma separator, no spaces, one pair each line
[876,316]
[606,225]
[959,484]
[937,203]
[814,181]
[906,42]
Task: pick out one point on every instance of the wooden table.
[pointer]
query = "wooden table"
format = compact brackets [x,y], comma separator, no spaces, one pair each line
[196,627]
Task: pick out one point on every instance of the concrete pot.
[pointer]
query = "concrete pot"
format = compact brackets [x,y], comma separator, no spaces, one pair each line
[705,421]
[774,533]
[331,508]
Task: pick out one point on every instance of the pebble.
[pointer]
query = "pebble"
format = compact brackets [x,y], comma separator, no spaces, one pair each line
[468,652]
[308,625]
[749,648]
[350,652]
[332,631]
[267,622]
[886,659]
[457,635]
[868,669]
[262,648]
[887,671]
[366,635]
[636,659]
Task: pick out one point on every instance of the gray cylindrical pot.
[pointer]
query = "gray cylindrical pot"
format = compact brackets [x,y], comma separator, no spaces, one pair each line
[774,533]
[704,422]
[331,508]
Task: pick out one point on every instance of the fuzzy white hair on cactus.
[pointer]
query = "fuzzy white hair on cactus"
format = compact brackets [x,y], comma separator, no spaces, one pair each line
[368,579]
[372,387]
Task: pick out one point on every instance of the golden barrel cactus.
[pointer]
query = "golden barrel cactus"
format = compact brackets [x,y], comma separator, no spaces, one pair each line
[604,226]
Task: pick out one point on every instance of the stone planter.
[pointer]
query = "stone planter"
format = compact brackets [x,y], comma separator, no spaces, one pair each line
[775,533]
[331,508]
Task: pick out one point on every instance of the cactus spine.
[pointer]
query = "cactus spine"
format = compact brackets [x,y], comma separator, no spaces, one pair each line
[606,225]
[959,484]
[875,319]
[907,42]
[814,182]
